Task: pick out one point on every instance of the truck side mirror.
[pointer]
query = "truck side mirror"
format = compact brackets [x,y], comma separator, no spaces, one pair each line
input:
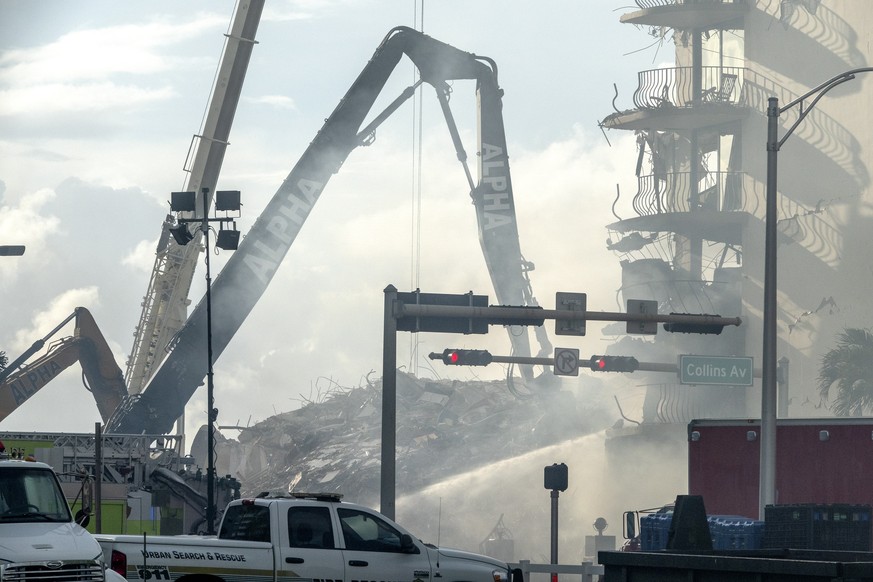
[83,518]
[407,546]
[630,525]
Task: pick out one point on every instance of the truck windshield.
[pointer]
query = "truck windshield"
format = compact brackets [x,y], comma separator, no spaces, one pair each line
[31,494]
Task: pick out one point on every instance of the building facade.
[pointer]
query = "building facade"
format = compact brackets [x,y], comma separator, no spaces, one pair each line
[696,242]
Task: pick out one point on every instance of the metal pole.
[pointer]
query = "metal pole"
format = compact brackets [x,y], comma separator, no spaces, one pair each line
[767,474]
[784,393]
[554,495]
[98,478]
[389,404]
[210,401]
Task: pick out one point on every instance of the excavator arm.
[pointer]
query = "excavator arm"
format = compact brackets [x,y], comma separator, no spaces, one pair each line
[102,376]
[251,268]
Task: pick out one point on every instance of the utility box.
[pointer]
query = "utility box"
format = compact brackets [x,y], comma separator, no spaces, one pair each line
[597,544]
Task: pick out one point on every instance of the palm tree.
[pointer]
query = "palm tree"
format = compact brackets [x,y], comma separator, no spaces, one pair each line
[849,369]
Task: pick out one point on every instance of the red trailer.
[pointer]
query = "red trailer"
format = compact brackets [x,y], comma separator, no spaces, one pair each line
[821,461]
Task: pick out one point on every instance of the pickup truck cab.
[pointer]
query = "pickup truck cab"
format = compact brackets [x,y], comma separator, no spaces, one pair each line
[39,539]
[301,537]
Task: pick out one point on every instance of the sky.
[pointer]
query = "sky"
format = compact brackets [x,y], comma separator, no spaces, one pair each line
[99,101]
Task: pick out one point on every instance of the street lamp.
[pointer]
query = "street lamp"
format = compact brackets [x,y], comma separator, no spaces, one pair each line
[11,250]
[228,239]
[767,474]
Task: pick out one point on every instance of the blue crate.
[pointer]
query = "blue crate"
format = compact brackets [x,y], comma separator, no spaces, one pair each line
[734,532]
[654,530]
[729,532]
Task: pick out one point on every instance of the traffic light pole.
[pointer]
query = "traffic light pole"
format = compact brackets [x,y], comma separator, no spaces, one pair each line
[389,408]
[420,316]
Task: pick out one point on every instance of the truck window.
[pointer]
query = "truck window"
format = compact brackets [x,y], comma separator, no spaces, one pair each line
[246,522]
[366,532]
[29,494]
[309,527]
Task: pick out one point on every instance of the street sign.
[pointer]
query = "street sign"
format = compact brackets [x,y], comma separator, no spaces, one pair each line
[571,302]
[566,362]
[642,307]
[715,370]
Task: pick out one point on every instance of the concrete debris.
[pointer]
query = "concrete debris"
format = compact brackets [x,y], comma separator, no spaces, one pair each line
[443,428]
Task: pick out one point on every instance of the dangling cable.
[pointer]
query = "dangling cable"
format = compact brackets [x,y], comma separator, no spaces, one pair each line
[415,217]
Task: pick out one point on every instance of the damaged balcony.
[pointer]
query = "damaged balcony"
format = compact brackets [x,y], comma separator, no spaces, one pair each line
[689,14]
[655,279]
[716,210]
[683,98]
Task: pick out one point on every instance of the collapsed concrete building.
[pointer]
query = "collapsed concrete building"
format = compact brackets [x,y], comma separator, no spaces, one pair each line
[443,428]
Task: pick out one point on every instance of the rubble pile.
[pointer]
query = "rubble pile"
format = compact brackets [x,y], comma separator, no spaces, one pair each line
[443,428]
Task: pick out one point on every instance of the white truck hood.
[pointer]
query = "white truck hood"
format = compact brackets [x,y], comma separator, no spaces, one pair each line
[462,555]
[28,542]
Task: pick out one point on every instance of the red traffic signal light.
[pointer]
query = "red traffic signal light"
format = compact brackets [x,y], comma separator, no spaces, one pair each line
[613,364]
[454,357]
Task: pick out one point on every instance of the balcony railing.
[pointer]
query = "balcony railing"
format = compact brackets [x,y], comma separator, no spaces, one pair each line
[674,87]
[724,191]
[658,3]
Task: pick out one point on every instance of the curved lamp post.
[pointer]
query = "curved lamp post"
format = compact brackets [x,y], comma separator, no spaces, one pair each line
[767,475]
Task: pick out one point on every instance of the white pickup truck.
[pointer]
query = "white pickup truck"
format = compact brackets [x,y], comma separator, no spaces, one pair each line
[316,538]
[39,540]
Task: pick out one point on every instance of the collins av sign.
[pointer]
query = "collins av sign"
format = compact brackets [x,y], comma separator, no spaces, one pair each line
[715,370]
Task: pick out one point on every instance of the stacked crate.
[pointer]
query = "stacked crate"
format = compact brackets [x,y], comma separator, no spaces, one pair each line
[729,532]
[818,527]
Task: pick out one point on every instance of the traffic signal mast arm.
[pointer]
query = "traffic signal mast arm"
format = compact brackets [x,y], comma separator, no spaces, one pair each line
[536,315]
[467,357]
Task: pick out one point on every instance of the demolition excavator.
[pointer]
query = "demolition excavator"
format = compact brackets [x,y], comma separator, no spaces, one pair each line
[250,269]
[100,374]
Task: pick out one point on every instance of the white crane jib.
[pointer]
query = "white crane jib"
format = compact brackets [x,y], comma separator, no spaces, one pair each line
[165,306]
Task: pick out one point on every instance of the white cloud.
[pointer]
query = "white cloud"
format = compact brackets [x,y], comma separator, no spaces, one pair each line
[301,9]
[96,54]
[24,224]
[82,98]
[59,309]
[142,257]
[278,101]
[83,70]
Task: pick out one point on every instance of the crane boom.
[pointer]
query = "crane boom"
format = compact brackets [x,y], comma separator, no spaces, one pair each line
[250,269]
[165,306]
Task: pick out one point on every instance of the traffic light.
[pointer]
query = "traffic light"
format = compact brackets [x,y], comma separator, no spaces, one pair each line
[453,357]
[709,328]
[614,363]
